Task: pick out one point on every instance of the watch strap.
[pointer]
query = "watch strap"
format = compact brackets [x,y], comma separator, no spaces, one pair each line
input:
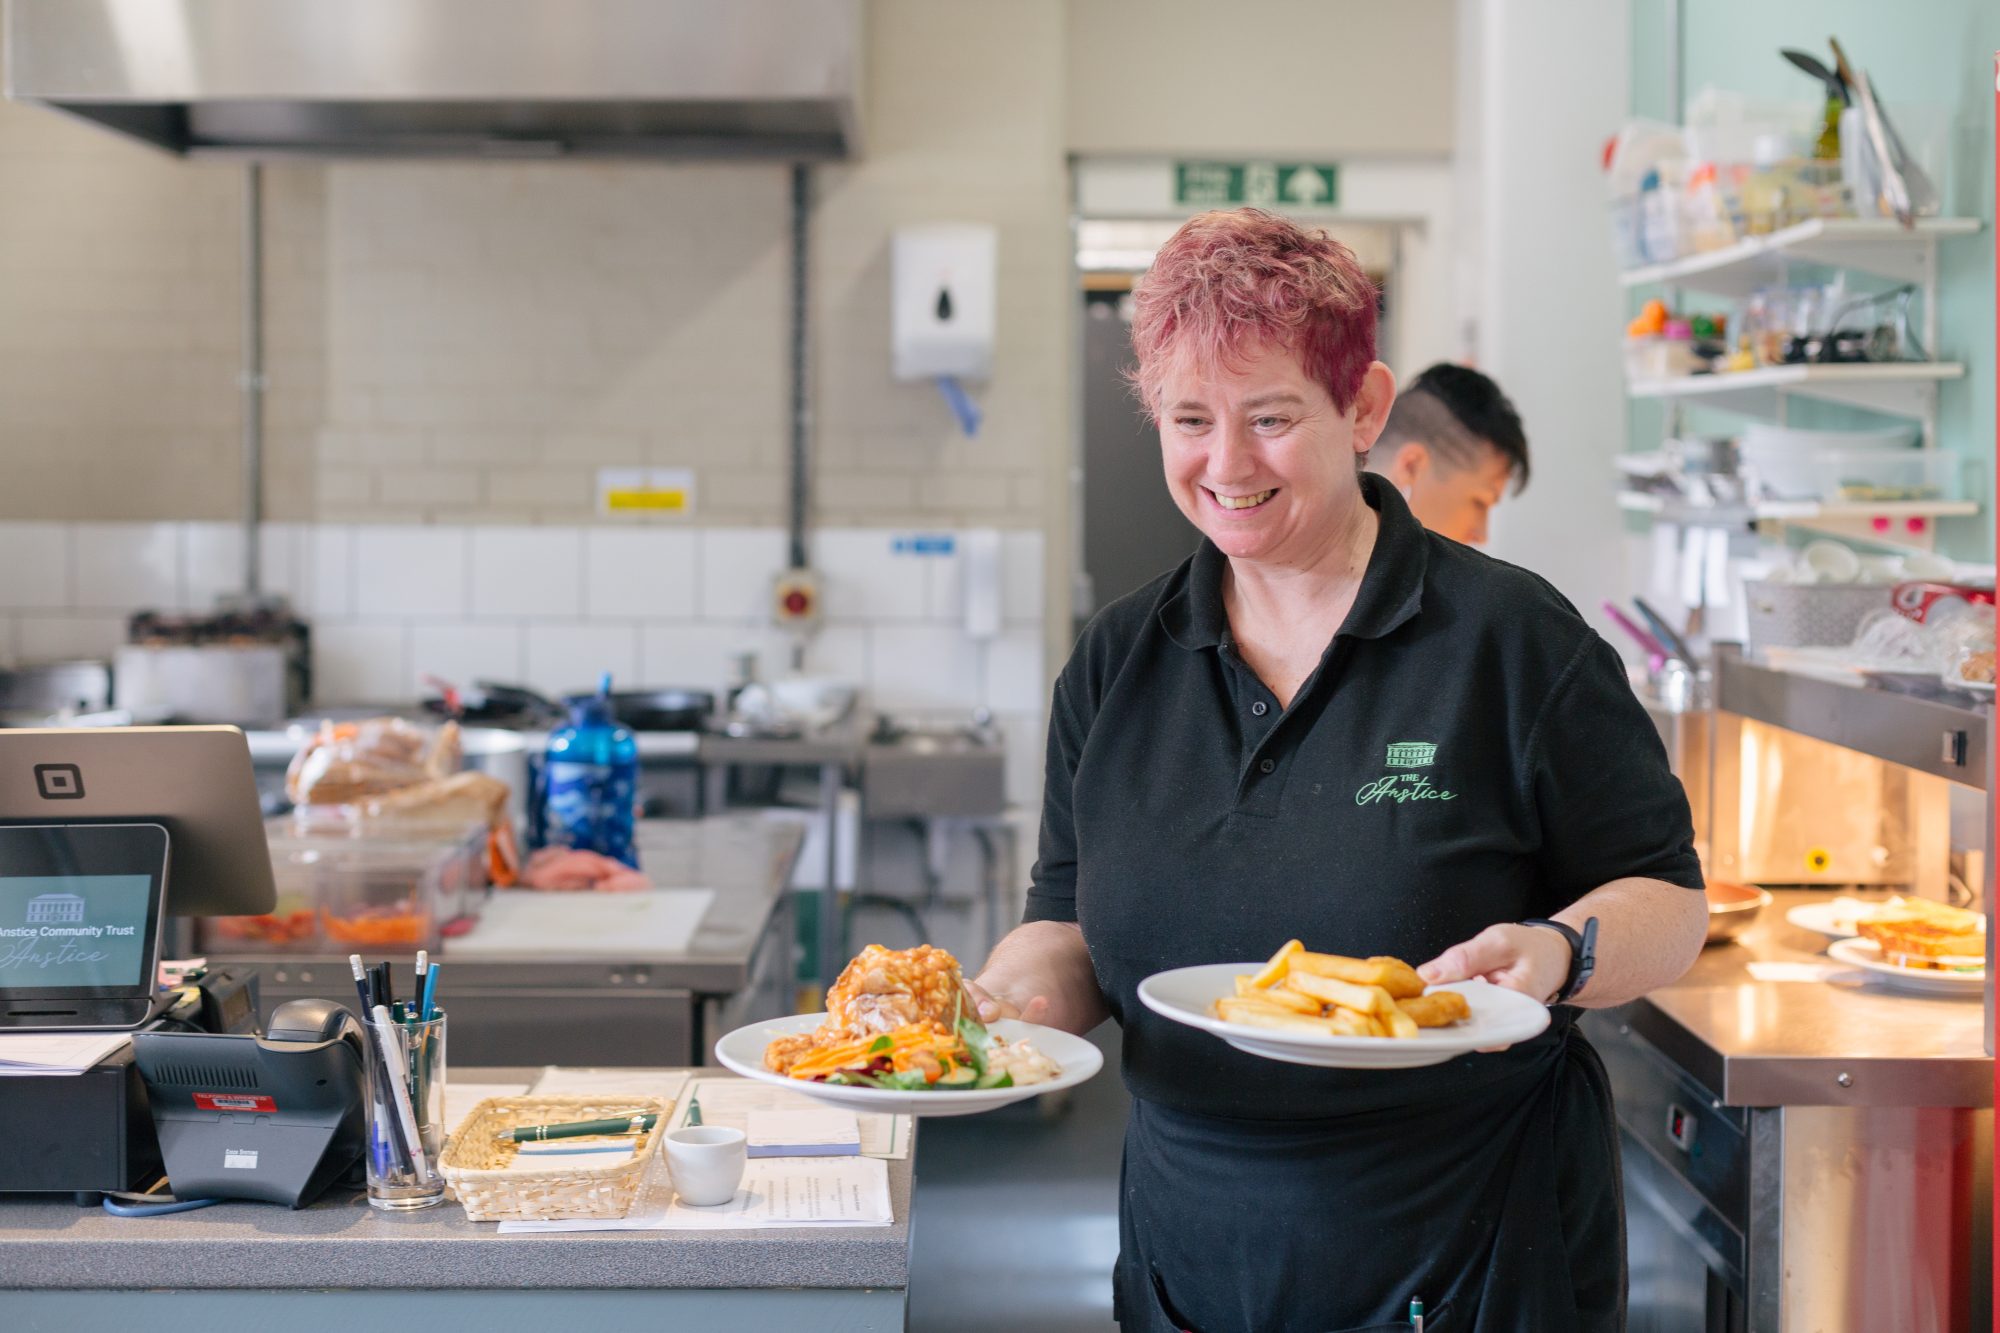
[1582,954]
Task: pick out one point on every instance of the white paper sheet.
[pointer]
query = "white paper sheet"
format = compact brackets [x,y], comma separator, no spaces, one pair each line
[663,1084]
[44,1053]
[460,1098]
[776,1192]
[729,1101]
[521,922]
[818,1131]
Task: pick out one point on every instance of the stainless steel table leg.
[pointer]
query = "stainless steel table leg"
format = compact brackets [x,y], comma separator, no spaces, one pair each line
[830,963]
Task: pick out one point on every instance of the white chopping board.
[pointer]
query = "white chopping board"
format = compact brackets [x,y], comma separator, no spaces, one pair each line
[625,925]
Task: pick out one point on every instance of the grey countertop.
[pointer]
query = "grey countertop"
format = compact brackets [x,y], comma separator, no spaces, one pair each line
[745,859]
[1790,1043]
[342,1242]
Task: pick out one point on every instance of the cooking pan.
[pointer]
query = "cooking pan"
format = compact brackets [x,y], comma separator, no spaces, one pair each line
[489,703]
[662,710]
[1732,907]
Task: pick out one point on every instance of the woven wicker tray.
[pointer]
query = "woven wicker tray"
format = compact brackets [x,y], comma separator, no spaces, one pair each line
[480,1171]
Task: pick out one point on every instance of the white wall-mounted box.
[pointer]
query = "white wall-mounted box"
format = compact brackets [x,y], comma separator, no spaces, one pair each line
[942,313]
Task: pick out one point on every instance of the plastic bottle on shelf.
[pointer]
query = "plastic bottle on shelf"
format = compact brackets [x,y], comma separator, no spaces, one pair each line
[590,781]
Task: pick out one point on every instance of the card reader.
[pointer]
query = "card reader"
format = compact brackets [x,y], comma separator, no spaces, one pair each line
[277,1118]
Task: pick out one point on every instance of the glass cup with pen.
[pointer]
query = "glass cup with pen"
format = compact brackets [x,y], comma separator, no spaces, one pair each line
[406,1086]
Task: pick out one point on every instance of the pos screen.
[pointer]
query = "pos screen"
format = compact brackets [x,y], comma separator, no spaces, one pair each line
[80,909]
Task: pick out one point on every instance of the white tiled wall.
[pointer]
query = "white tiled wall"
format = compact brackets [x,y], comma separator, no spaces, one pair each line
[551,607]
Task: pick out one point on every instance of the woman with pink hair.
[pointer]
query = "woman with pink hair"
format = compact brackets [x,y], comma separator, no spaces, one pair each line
[1329,724]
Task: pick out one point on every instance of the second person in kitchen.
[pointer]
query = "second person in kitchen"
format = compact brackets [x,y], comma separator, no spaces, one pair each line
[1453,447]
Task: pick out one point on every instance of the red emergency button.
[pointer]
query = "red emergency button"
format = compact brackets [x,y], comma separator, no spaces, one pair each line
[797,603]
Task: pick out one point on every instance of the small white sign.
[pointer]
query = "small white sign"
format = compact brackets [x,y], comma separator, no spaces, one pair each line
[239,1159]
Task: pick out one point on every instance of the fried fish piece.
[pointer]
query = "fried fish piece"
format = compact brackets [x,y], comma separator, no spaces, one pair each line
[1439,1009]
[1391,974]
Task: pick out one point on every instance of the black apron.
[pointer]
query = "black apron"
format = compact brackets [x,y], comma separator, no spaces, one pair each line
[1502,1212]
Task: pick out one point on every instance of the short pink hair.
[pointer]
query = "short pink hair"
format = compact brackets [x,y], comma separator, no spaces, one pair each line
[1230,282]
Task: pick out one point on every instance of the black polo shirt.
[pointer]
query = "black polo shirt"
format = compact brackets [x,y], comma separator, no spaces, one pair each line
[1468,751]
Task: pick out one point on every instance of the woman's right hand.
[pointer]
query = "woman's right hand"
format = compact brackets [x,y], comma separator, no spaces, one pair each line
[1040,974]
[994,1004]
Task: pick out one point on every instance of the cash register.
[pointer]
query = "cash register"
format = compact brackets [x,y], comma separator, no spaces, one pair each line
[109,837]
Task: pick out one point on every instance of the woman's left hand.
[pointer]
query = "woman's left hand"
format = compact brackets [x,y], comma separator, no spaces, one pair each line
[1533,960]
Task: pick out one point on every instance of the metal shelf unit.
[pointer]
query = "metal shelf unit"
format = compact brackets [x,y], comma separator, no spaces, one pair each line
[1932,735]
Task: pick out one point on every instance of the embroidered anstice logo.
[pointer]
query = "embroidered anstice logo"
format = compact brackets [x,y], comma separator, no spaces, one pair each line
[1411,754]
[1405,786]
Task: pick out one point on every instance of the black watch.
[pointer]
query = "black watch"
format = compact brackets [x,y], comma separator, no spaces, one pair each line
[1582,955]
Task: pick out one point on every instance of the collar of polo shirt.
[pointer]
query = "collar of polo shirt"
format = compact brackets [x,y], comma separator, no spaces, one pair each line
[1392,588]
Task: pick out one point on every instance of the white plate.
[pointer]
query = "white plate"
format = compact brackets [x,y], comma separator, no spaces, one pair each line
[1958,682]
[1500,1017]
[1867,954]
[1835,919]
[742,1052]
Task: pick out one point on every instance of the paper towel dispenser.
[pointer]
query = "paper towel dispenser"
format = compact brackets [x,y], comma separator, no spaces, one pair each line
[942,314]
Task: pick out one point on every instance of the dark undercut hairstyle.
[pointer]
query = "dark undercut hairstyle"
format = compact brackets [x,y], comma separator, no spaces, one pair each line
[1454,410]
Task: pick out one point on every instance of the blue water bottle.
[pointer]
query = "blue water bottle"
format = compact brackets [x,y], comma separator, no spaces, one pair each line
[590,781]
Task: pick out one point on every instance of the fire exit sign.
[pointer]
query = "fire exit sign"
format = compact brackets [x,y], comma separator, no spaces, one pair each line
[1265,184]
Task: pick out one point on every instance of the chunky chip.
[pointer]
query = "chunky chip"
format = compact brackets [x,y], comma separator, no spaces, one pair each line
[1302,991]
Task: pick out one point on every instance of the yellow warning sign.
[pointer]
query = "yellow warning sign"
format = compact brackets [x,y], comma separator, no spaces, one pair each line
[666,501]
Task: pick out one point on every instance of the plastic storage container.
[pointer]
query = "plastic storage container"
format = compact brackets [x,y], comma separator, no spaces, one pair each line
[340,893]
[1887,474]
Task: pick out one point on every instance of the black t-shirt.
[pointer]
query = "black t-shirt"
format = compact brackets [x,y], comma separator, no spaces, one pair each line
[1469,751]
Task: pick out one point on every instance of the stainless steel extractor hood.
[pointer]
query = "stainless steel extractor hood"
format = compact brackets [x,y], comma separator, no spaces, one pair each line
[449,78]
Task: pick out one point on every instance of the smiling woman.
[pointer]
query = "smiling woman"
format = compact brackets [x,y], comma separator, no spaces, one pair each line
[1329,724]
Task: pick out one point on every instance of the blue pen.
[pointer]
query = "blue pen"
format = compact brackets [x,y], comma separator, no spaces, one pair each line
[427,1008]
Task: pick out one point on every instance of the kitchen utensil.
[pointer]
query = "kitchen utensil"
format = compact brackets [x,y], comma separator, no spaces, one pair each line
[1836,87]
[495,704]
[1867,955]
[663,710]
[1500,1017]
[1732,907]
[742,1052]
[1827,146]
[1664,632]
[1896,193]
[1656,656]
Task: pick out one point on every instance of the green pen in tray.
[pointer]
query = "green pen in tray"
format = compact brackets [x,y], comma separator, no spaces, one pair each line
[636,1123]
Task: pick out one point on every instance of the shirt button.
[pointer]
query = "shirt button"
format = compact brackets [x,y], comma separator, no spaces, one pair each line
[1259,708]
[1268,766]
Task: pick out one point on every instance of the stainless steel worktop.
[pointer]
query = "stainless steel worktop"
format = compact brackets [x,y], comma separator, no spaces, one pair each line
[1844,1041]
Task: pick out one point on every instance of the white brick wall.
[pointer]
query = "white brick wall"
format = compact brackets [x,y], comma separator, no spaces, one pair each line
[464,342]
